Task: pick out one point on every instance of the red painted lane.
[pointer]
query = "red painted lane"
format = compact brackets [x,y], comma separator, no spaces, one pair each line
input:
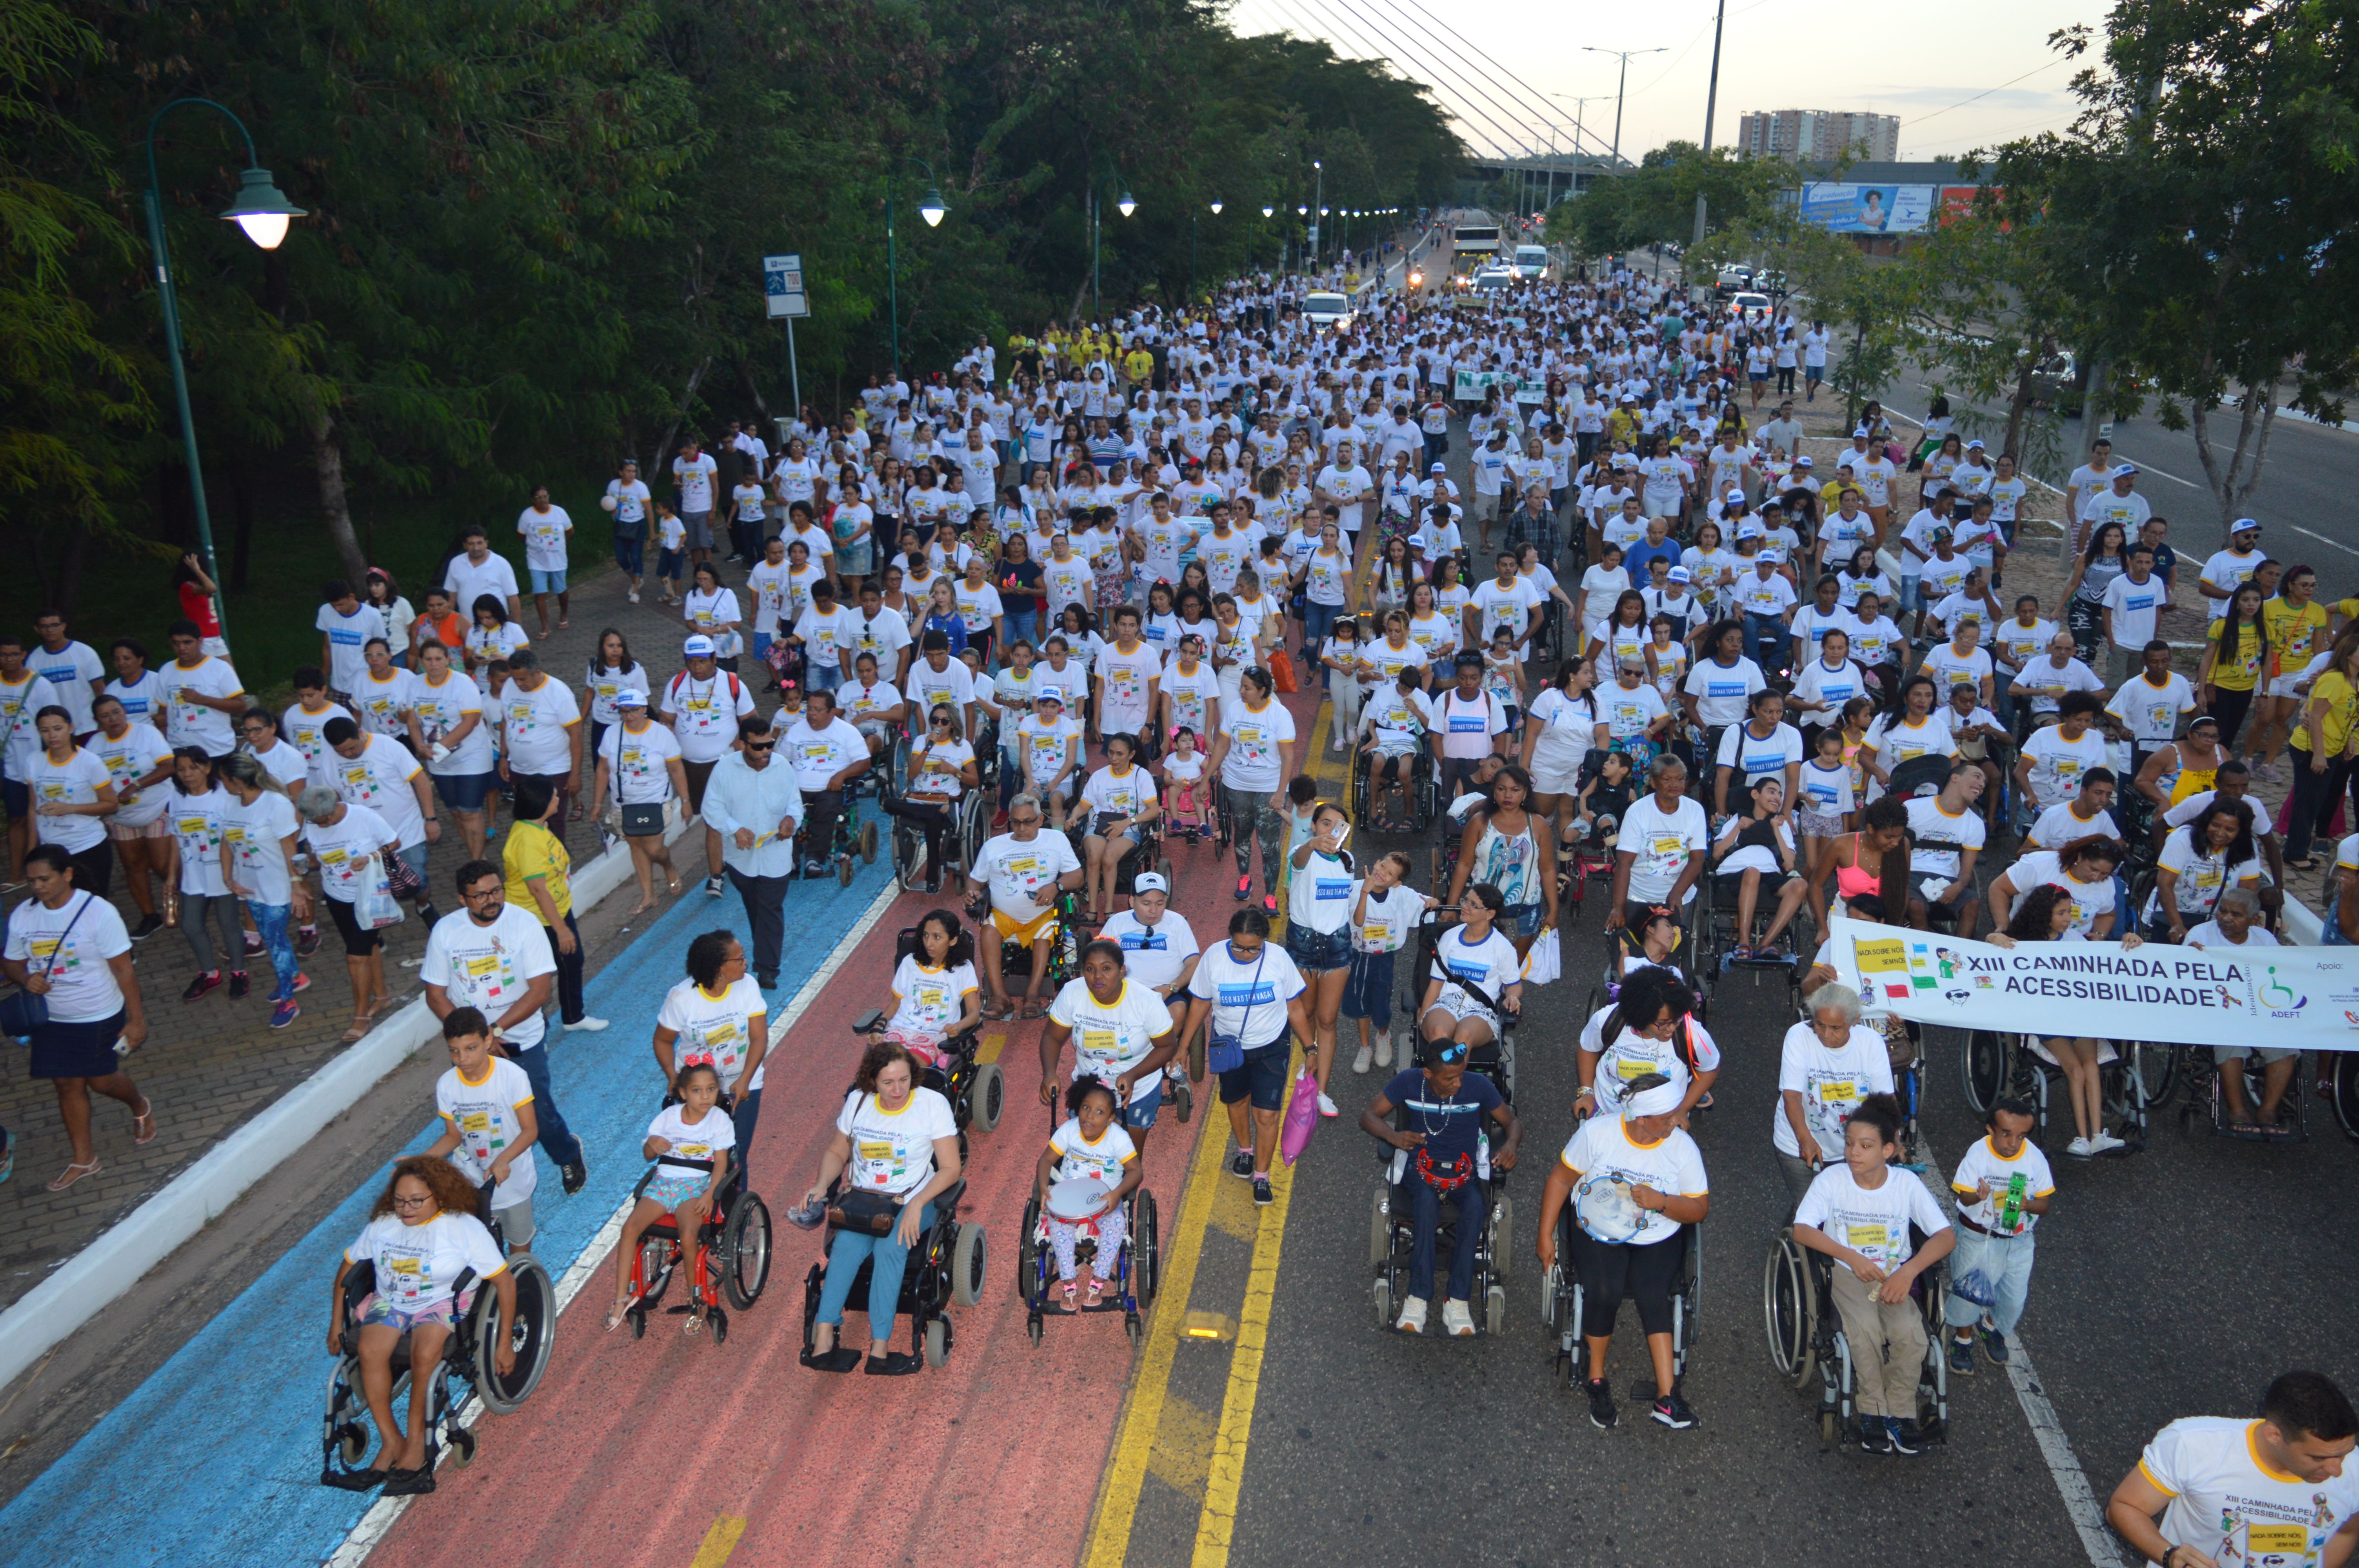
[631,1449]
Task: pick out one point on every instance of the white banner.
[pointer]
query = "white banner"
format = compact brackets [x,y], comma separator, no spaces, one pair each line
[2288,998]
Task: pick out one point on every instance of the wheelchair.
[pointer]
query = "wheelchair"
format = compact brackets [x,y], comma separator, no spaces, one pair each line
[1562,1303]
[1141,1266]
[729,1268]
[853,838]
[1016,957]
[1576,868]
[2343,1092]
[1392,1228]
[976,1089]
[962,841]
[946,1266]
[1424,802]
[2205,1071]
[1806,1337]
[1146,856]
[1993,1064]
[1717,938]
[466,1379]
[1495,1060]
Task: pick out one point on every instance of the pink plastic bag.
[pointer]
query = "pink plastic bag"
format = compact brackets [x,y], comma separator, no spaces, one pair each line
[1301,1116]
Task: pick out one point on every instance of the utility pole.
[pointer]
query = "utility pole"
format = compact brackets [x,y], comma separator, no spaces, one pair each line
[1621,86]
[1710,101]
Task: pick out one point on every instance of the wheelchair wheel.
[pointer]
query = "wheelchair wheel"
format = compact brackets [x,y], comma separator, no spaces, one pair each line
[1789,1309]
[1494,1308]
[1503,1235]
[1147,1252]
[1380,1225]
[1551,1286]
[843,871]
[906,845]
[2158,1064]
[745,1252]
[868,843]
[530,1337]
[1982,1069]
[2345,1085]
[937,1341]
[1383,1299]
[966,1268]
[1027,1251]
[987,1096]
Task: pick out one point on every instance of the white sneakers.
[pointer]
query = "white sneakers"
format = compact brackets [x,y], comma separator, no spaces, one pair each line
[1456,1321]
[585,1026]
[2105,1142]
[2078,1148]
[1326,1106]
[1360,1062]
[1412,1317]
[1385,1049]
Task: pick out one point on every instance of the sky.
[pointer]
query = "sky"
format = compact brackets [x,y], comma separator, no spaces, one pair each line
[1775,54]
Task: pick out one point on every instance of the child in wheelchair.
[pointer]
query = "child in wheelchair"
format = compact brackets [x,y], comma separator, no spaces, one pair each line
[1861,1214]
[1087,1172]
[1189,800]
[1755,843]
[688,1144]
[1602,802]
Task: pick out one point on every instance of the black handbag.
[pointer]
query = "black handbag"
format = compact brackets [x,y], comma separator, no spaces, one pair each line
[863,1210]
[642,821]
[21,1012]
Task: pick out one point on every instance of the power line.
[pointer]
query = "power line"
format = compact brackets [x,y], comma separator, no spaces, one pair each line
[1313,30]
[1986,92]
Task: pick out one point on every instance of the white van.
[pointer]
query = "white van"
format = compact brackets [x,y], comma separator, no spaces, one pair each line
[1327,311]
[1531,261]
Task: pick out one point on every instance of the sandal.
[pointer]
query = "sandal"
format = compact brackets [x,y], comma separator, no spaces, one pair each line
[359,1030]
[1035,1008]
[147,1116]
[1095,1295]
[72,1174]
[617,1314]
[999,1011]
[1072,1296]
[693,1325]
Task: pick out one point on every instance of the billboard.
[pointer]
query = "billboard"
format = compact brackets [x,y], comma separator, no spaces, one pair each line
[1958,201]
[1869,209]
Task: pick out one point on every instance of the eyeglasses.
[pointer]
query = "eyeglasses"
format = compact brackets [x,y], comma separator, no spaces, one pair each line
[401,1202]
[760,745]
[1025,821]
[472,894]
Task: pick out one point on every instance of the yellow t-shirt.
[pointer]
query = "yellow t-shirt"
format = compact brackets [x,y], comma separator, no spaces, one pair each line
[2238,669]
[2341,708]
[1139,364]
[533,850]
[2291,631]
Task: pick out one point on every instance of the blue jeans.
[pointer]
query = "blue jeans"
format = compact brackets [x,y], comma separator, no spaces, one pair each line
[1767,637]
[889,1261]
[270,924]
[1318,621]
[817,677]
[1425,1208]
[2006,1261]
[1022,626]
[747,1112]
[556,1139]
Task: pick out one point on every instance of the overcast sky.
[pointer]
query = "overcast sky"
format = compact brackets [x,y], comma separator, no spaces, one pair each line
[1776,54]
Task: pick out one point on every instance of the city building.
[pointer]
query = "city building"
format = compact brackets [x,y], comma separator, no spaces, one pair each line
[1818,136]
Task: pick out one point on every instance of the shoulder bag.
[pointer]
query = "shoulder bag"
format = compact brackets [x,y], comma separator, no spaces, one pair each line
[1226,1053]
[21,1012]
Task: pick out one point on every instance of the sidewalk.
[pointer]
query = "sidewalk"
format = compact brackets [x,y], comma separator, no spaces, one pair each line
[208,1067]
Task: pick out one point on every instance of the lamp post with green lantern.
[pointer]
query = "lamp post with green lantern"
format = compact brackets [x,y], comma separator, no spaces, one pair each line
[931,207]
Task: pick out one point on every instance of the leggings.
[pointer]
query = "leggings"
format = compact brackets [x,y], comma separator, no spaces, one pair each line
[1251,817]
[2230,708]
[1063,1237]
[1609,1270]
[270,921]
[194,909]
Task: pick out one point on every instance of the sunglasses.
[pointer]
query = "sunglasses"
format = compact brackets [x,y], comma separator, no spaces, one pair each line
[761,745]
[1454,1051]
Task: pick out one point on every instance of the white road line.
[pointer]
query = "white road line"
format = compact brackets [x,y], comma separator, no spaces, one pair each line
[2047,1427]
[2321,538]
[376,1524]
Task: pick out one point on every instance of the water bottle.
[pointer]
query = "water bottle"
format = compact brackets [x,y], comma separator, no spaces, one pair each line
[2010,1208]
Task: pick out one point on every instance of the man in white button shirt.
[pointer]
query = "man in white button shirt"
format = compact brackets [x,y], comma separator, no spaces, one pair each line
[756,805]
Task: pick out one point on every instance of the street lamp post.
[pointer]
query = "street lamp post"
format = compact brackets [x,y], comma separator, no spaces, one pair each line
[1125,206]
[1318,197]
[930,208]
[1266,214]
[1710,101]
[1624,54]
[263,211]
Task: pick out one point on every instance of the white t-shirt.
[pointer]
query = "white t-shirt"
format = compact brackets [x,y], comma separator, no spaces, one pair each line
[489,967]
[892,1152]
[467,582]
[1079,1160]
[73,953]
[1873,1224]
[1252,764]
[1023,876]
[1929,821]
[1389,919]
[1047,745]
[1631,1055]
[1111,1038]
[1319,894]
[544,538]
[485,1117]
[2058,764]
[1248,996]
[704,713]
[1151,955]
[1832,1083]
[197,827]
[1720,691]
[708,1139]
[2225,1505]
[1757,758]
[1982,1162]
[349,852]
[639,764]
[1606,1161]
[379,779]
[2150,712]
[2201,878]
[347,637]
[1659,844]
[378,704]
[1567,729]
[140,752]
[441,709]
[2091,902]
[1128,686]
[1124,795]
[715,1028]
[1492,963]
[418,1266]
[306,730]
[74,782]
[192,724]
[2136,606]
[70,670]
[928,1001]
[254,836]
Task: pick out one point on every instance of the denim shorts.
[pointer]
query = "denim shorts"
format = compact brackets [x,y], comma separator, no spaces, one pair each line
[1317,950]
[1520,920]
[548,582]
[1262,1078]
[1139,1114]
[1368,991]
[463,792]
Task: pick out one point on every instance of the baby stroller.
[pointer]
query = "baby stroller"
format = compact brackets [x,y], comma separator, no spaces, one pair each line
[785,661]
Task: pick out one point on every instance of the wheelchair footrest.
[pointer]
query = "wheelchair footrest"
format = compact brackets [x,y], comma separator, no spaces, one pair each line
[351,1480]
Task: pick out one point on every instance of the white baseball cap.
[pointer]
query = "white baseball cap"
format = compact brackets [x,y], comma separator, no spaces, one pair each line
[698,646]
[1150,882]
[1734,494]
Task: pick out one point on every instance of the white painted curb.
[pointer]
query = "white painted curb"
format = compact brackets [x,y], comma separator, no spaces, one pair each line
[102,1271]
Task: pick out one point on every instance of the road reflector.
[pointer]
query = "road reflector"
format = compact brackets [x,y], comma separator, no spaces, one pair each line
[1208,1325]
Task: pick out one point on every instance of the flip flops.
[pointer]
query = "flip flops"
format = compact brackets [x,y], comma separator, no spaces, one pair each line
[147,1116]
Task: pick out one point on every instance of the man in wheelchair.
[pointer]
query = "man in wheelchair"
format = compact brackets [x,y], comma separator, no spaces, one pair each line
[1439,1161]
[427,1253]
[1019,867]
[1860,1214]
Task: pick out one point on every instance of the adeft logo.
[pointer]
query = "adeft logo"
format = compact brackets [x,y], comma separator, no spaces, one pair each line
[2280,997]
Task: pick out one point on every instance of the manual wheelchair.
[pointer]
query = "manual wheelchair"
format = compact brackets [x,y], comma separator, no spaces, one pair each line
[853,838]
[1806,1337]
[1718,938]
[1991,1064]
[1495,1059]
[1392,1225]
[1140,1265]
[1562,1303]
[1421,791]
[945,1266]
[963,839]
[976,1089]
[729,1260]
[2206,1092]
[466,1379]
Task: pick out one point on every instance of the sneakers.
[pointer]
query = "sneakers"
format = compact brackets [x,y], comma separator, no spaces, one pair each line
[633,595]
[585,1026]
[1245,888]
[1906,1438]
[1326,1106]
[1672,1410]
[1994,1343]
[713,887]
[576,1175]
[1456,1321]
[2078,1148]
[238,984]
[1360,1062]
[1602,1415]
[1962,1358]
[1412,1317]
[307,941]
[148,925]
[203,986]
[2105,1143]
[1385,1049]
[1241,1164]
[1263,1196]
[302,983]
[284,1013]
[1269,903]
[1875,1434]
[253,943]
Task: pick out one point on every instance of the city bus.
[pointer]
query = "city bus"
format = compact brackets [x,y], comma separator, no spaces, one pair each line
[1476,240]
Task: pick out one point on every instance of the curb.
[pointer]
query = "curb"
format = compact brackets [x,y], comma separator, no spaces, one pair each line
[100,1272]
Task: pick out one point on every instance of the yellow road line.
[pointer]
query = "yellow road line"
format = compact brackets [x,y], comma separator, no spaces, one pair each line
[1217,1525]
[992,1043]
[719,1541]
[1142,1406]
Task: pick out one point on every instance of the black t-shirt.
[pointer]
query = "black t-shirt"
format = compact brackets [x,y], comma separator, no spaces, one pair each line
[1449,1125]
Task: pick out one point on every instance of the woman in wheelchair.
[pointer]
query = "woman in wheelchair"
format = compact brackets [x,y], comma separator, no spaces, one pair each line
[1445,1107]
[1827,1067]
[1121,801]
[1476,982]
[1089,1147]
[690,1143]
[936,994]
[1648,1031]
[898,1145]
[1393,724]
[942,767]
[1759,841]
[2212,853]
[421,1234]
[2046,914]
[1860,1213]
[1634,1182]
